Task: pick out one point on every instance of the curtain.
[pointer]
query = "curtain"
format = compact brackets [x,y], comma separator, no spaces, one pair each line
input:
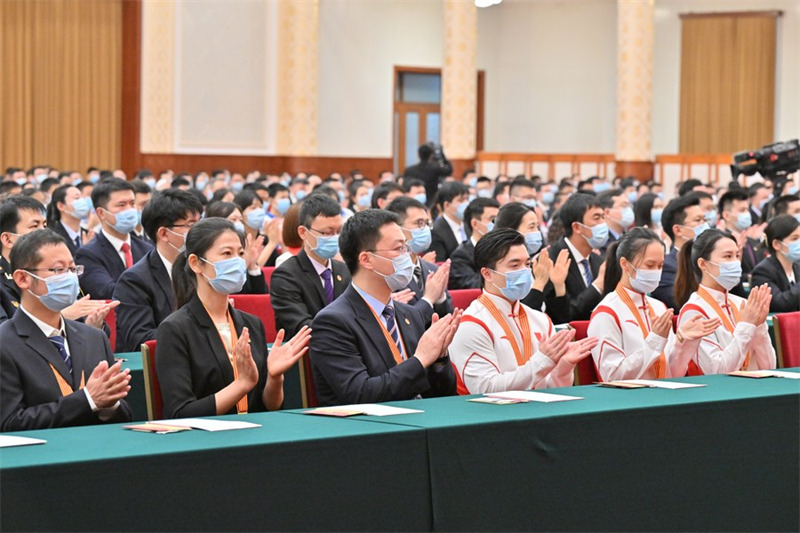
[727,82]
[60,83]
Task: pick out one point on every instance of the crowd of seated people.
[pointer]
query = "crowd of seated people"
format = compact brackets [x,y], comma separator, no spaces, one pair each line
[363,273]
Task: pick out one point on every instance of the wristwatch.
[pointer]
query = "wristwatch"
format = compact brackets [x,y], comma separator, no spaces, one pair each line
[680,336]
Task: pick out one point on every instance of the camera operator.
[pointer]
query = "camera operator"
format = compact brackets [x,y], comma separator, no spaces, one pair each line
[432,167]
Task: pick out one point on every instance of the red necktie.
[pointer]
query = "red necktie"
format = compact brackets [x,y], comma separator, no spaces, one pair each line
[126,249]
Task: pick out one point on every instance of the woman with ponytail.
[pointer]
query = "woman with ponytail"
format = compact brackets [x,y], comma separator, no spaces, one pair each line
[708,269]
[634,331]
[211,358]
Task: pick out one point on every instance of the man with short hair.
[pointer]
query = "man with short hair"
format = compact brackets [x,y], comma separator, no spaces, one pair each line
[433,166]
[143,193]
[478,220]
[585,232]
[618,215]
[145,290]
[278,200]
[384,193]
[18,215]
[56,372]
[365,346]
[738,219]
[448,230]
[415,188]
[114,249]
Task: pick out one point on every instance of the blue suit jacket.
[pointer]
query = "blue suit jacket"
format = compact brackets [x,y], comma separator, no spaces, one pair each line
[353,363]
[102,265]
[666,287]
[30,392]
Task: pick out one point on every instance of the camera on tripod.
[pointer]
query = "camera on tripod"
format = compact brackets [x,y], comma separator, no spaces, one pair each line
[771,161]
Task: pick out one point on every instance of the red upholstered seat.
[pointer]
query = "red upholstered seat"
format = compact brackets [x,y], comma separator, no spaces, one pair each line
[463,297]
[260,306]
[585,372]
[111,322]
[268,274]
[787,339]
[152,389]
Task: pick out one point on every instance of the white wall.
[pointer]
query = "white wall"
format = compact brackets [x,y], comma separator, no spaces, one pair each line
[360,42]
[550,75]
[666,75]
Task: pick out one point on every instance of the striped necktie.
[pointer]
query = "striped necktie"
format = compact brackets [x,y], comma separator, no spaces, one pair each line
[391,327]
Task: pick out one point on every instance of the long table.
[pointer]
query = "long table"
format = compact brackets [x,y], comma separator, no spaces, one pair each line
[721,457]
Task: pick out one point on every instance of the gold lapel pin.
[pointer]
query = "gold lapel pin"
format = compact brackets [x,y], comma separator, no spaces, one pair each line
[408,322]
[338,277]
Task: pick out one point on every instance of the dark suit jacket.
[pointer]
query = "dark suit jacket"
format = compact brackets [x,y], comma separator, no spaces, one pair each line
[752,254]
[430,172]
[9,292]
[666,287]
[146,299]
[443,242]
[297,294]
[193,365]
[353,363]
[440,309]
[785,298]
[463,274]
[30,392]
[61,230]
[583,299]
[102,265]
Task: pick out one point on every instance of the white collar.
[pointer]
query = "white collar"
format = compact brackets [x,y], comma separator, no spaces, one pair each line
[167,264]
[319,267]
[47,329]
[72,234]
[575,253]
[454,225]
[503,305]
[115,242]
[721,297]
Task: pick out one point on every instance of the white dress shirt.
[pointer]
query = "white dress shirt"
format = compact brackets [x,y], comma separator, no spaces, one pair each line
[117,244]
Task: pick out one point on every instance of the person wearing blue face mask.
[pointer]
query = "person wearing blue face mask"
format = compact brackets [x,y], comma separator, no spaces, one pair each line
[360,195]
[143,194]
[448,229]
[258,228]
[64,214]
[479,220]
[584,231]
[709,268]
[279,201]
[114,249]
[415,188]
[618,215]
[738,220]
[56,372]
[427,290]
[502,344]
[304,284]
[212,358]
[781,271]
[367,347]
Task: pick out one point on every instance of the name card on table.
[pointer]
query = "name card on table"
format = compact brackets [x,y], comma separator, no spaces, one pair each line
[532,396]
[8,441]
[370,409]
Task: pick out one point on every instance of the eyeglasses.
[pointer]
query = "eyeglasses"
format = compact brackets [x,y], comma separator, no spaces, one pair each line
[78,269]
[183,225]
[421,224]
[403,249]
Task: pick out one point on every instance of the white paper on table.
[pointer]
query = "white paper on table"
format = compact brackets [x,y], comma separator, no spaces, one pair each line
[209,424]
[657,384]
[374,409]
[532,396]
[7,441]
[781,374]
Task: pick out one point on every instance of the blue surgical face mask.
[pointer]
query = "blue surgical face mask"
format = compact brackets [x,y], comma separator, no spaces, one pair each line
[200,184]
[126,221]
[151,182]
[533,241]
[81,207]
[744,221]
[730,274]
[711,217]
[485,193]
[327,246]
[364,201]
[239,227]
[182,248]
[255,219]
[422,198]
[22,181]
[40,178]
[237,186]
[518,283]
[472,182]
[655,215]
[94,178]
[230,275]
[301,194]
[62,291]
[646,281]
[797,216]
[632,197]
[283,205]
[698,230]
[793,254]
[342,196]
[548,197]
[403,271]
[626,218]
[530,202]
[601,186]
[462,207]
[420,240]
[793,189]
[599,235]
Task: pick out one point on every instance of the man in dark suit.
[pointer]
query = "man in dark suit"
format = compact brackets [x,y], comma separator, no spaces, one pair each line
[432,167]
[618,214]
[56,372]
[143,195]
[448,230]
[64,214]
[585,232]
[682,219]
[145,290]
[478,221]
[428,288]
[365,347]
[738,220]
[114,249]
[312,279]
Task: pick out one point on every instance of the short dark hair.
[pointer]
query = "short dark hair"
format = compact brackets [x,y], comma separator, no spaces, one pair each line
[494,246]
[733,195]
[84,184]
[754,188]
[10,208]
[25,253]
[520,183]
[401,205]
[318,205]
[244,199]
[413,182]
[140,187]
[166,208]
[103,189]
[180,181]
[220,209]
[778,229]
[450,190]
[425,152]
[510,215]
[361,233]
[574,209]
[48,184]
[689,185]
[499,188]
[475,210]
[781,204]
[675,212]
[606,198]
[382,191]
[274,188]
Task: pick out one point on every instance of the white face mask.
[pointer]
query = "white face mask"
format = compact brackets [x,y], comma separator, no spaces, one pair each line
[646,281]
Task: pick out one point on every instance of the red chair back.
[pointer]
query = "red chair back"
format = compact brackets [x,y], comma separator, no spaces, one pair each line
[585,372]
[260,306]
[463,297]
[788,343]
[152,388]
[111,321]
[268,274]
